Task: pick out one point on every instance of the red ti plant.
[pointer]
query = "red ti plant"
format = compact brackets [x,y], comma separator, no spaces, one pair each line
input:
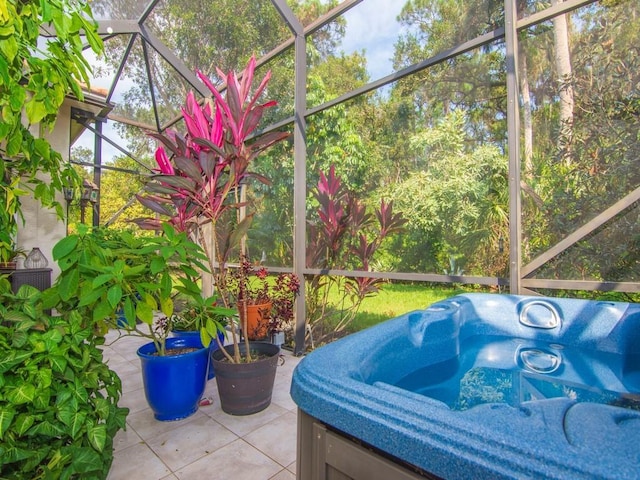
[345,237]
[200,173]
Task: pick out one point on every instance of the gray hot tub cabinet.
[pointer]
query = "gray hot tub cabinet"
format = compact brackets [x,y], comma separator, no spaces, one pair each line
[324,454]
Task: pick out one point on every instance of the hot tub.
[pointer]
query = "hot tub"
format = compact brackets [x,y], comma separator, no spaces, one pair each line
[478,386]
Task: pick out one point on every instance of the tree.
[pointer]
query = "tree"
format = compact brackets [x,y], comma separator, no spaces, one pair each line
[455,203]
[575,181]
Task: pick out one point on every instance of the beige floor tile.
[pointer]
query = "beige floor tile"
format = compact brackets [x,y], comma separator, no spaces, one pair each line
[277,439]
[145,424]
[131,381]
[135,462]
[237,460]
[244,424]
[123,366]
[134,400]
[283,475]
[281,395]
[125,438]
[190,441]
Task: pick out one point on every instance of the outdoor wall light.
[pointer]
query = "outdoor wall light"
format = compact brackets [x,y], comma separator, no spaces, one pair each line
[89,195]
[68,194]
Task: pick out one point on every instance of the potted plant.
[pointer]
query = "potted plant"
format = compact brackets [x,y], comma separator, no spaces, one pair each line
[196,312]
[11,255]
[103,272]
[265,302]
[199,183]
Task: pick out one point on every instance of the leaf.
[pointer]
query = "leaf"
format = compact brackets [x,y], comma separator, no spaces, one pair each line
[153,205]
[22,424]
[166,284]
[19,338]
[68,285]
[36,111]
[102,407]
[144,312]
[58,363]
[166,306]
[189,168]
[6,417]
[64,247]
[157,265]
[205,338]
[13,358]
[98,436]
[85,461]
[129,312]
[101,279]
[114,295]
[177,182]
[88,298]
[18,395]
[80,392]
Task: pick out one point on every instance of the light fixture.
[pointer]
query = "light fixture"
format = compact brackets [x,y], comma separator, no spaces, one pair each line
[89,194]
[68,194]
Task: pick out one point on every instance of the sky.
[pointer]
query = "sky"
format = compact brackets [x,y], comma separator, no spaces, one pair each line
[371,27]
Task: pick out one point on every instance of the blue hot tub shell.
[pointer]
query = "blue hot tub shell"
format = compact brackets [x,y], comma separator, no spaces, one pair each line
[351,385]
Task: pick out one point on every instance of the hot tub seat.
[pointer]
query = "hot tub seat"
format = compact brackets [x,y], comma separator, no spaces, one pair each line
[352,386]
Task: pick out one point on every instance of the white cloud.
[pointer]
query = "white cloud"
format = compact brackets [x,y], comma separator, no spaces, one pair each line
[372,26]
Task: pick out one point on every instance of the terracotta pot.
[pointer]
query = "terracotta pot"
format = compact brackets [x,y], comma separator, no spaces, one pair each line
[257,322]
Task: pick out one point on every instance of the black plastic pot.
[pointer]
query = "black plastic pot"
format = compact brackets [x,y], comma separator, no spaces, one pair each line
[246,388]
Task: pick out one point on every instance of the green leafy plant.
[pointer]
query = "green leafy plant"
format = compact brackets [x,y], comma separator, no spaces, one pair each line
[35,79]
[12,253]
[58,399]
[202,175]
[201,312]
[106,272]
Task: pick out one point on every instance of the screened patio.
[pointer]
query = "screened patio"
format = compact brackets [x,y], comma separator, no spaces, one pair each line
[522,124]
[504,134]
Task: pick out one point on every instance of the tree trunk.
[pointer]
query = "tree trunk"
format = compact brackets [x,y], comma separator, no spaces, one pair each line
[565,81]
[527,121]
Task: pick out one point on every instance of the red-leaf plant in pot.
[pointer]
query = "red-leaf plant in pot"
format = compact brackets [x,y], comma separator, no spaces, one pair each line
[253,286]
[201,174]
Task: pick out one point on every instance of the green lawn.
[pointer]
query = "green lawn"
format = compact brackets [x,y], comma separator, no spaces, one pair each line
[398,298]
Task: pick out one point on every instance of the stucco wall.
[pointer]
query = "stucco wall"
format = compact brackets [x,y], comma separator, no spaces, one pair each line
[42,227]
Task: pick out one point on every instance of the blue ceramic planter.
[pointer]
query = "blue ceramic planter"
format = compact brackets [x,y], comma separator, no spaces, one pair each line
[213,346]
[174,384]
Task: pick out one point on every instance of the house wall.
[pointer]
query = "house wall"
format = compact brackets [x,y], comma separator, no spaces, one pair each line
[42,227]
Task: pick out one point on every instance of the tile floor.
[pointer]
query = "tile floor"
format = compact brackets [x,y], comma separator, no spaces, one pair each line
[208,445]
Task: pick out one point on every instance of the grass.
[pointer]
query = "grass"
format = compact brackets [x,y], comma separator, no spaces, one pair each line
[398,298]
